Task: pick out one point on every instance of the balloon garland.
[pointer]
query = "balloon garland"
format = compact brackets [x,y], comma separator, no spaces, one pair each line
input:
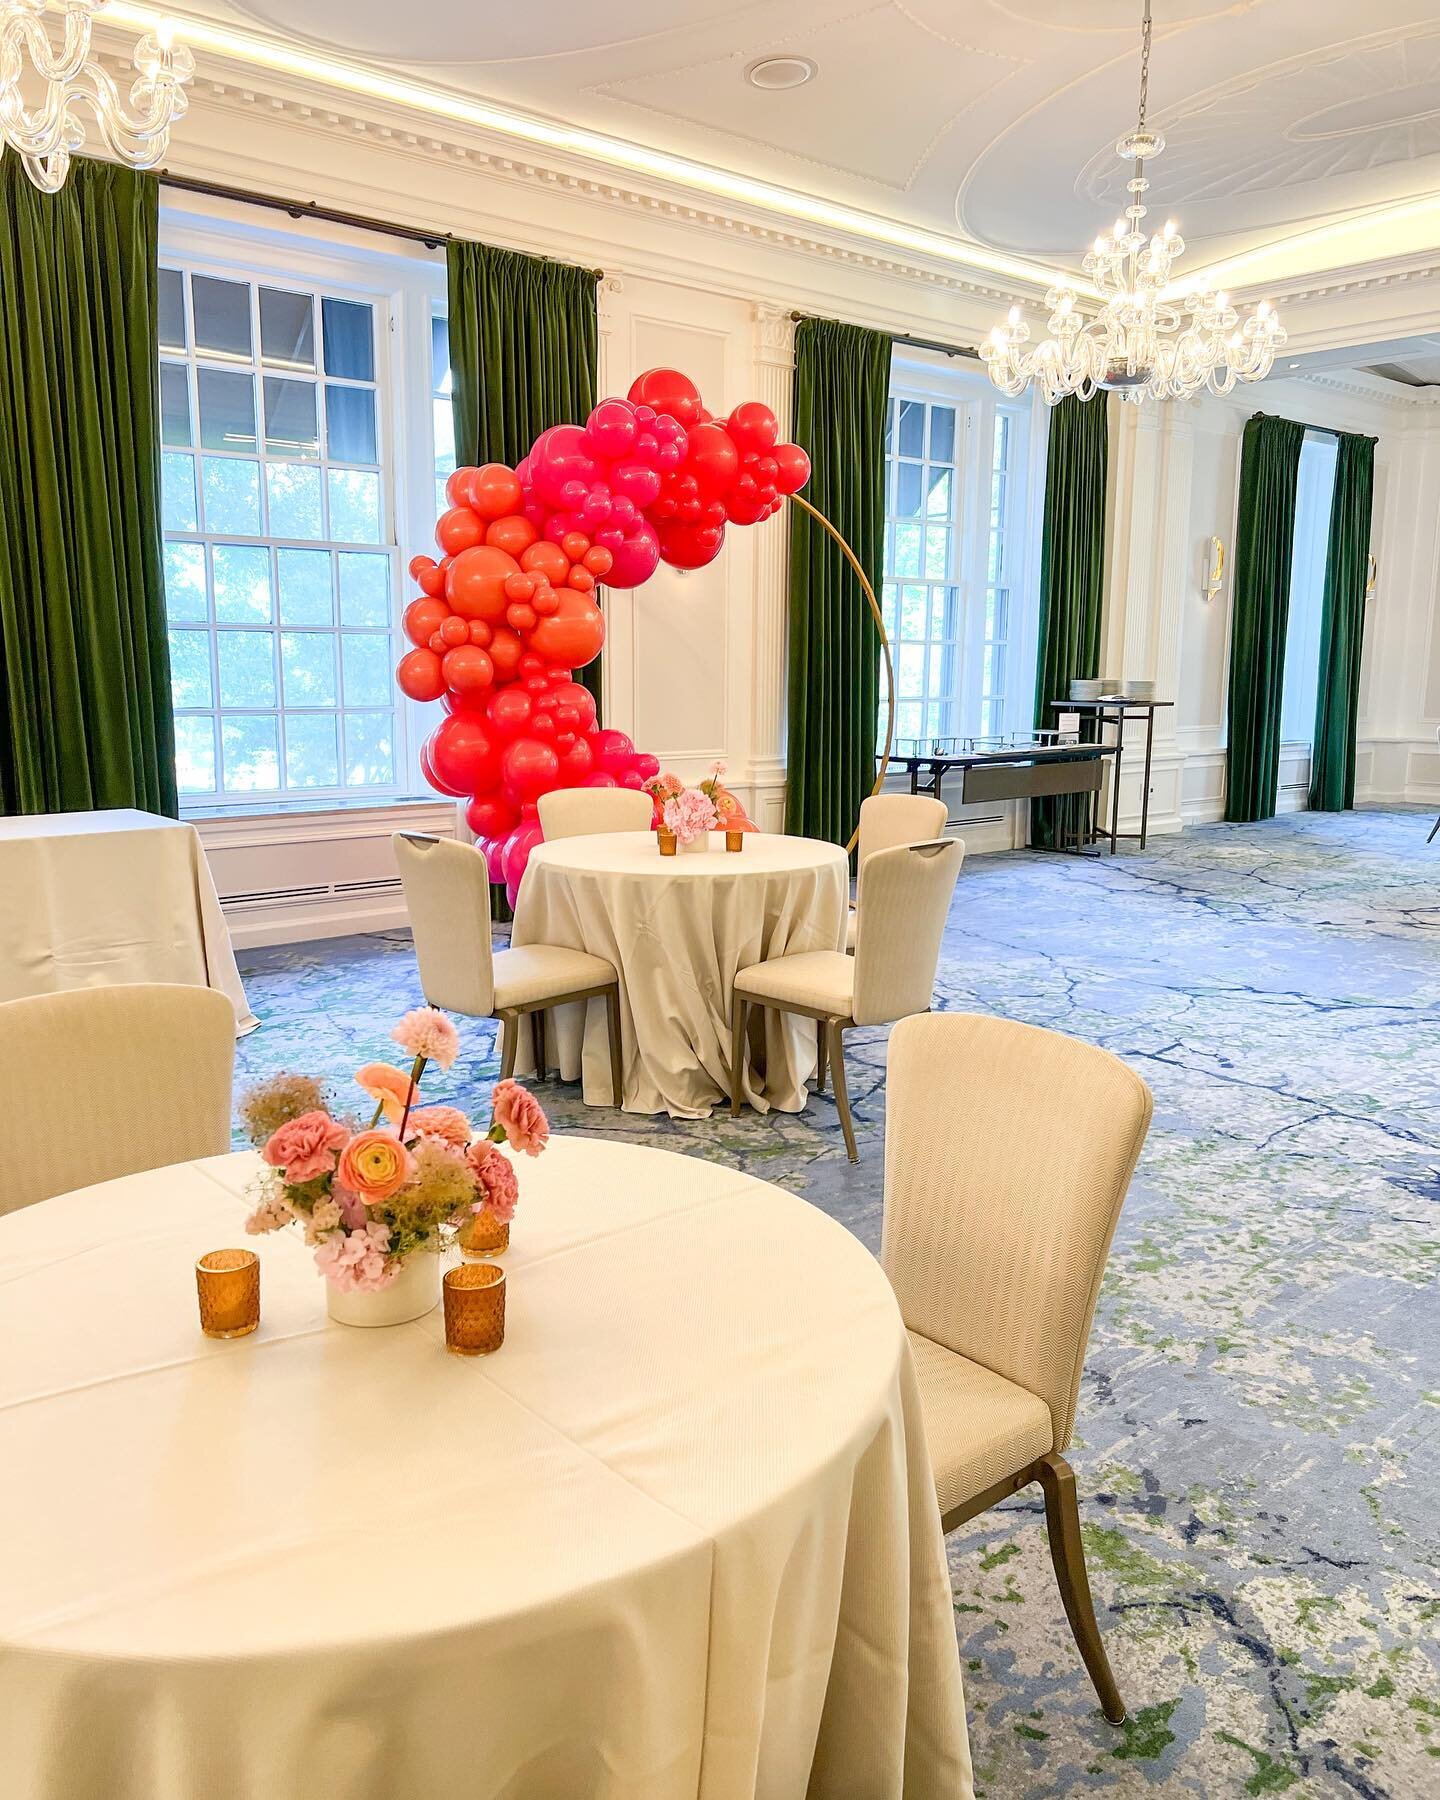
[507,613]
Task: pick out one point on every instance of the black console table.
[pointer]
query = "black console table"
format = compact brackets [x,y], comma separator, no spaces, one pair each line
[1114,710]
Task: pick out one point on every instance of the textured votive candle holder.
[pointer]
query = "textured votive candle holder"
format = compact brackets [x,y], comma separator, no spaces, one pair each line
[474,1309]
[667,842]
[734,840]
[228,1284]
[485,1235]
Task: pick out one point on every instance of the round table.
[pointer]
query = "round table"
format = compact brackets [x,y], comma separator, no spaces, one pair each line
[677,929]
[677,1537]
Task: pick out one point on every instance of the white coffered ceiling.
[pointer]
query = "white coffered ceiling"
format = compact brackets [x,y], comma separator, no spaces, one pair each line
[991,121]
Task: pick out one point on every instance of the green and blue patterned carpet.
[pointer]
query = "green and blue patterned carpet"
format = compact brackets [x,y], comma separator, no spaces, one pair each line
[1259,1432]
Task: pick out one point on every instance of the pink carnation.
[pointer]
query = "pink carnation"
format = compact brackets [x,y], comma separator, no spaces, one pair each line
[690,815]
[356,1263]
[427,1032]
[496,1175]
[521,1117]
[306,1147]
[445,1122]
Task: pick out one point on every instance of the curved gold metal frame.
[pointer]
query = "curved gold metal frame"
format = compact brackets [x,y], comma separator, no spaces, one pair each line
[869,592]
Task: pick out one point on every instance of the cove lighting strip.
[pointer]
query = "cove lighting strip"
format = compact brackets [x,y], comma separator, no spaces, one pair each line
[268,53]
[1283,259]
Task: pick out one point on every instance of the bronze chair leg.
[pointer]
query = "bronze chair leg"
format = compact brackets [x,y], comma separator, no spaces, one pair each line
[1433,829]
[612,1022]
[835,1033]
[737,1052]
[537,1041]
[510,1027]
[1067,1552]
[820,1055]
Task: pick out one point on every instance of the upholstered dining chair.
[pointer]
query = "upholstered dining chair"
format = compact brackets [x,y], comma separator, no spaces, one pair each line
[904,894]
[890,819]
[1008,1151]
[447,893]
[108,1081]
[584,812]
[1436,826]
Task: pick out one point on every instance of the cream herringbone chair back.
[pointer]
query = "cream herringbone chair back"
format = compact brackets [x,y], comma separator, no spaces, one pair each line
[888,820]
[585,812]
[108,1081]
[447,894]
[1008,1151]
[902,901]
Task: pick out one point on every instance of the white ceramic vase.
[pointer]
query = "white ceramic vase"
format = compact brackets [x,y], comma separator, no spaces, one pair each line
[414,1292]
[696,845]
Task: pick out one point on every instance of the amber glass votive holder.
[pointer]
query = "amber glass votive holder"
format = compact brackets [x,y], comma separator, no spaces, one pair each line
[228,1283]
[485,1235]
[666,841]
[734,840]
[474,1309]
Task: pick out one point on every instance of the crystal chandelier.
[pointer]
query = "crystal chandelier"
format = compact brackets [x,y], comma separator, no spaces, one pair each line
[1140,342]
[47,130]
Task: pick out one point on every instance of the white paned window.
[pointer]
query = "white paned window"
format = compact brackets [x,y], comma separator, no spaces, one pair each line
[1315,489]
[956,557]
[442,385]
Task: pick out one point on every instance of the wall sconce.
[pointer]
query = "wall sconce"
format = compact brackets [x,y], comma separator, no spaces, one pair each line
[1214,569]
[1372,575]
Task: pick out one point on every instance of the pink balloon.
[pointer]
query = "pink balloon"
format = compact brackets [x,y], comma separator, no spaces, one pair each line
[613,751]
[637,481]
[521,841]
[564,469]
[494,849]
[647,767]
[636,559]
[611,429]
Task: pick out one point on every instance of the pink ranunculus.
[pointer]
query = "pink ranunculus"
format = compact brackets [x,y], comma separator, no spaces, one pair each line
[521,1117]
[306,1147]
[427,1032]
[388,1086]
[494,1171]
[375,1165]
[445,1122]
[356,1263]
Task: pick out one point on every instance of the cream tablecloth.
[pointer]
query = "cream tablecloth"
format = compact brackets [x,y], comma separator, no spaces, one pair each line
[677,929]
[92,898]
[678,1537]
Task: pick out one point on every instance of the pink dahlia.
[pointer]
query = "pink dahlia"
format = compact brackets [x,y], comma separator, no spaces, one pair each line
[427,1032]
[445,1122]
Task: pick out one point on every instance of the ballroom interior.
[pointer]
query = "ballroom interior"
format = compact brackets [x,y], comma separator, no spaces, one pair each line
[774,679]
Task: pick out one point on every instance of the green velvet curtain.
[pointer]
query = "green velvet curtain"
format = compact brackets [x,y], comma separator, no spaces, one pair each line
[1264,546]
[85,716]
[1072,580]
[524,355]
[1342,626]
[842,386]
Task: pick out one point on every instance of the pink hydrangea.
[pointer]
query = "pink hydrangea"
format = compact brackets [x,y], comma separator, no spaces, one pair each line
[306,1147]
[690,815]
[427,1032]
[356,1263]
[521,1117]
[272,1212]
[445,1122]
[495,1173]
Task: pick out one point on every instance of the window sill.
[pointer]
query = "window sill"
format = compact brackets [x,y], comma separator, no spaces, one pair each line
[314,821]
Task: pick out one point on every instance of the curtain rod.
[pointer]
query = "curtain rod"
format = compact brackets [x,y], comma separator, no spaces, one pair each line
[329,215]
[916,343]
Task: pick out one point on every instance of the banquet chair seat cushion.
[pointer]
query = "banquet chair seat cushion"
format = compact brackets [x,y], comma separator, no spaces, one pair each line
[538,972]
[822,980]
[980,1427]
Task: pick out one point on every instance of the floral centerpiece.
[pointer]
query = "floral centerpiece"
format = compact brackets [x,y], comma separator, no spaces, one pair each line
[377,1202]
[692,812]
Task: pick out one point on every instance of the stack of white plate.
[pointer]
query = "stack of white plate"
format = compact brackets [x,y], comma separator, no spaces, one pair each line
[1137,690]
[1085,690]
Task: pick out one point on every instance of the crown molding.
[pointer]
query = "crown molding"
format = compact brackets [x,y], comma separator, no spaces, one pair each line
[1375,388]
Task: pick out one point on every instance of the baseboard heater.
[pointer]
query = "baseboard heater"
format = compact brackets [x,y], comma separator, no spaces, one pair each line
[385,888]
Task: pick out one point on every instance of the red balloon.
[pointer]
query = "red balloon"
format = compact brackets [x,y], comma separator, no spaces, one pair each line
[464,754]
[495,491]
[573,633]
[713,460]
[467,669]
[418,675]
[428,770]
[613,750]
[423,618]
[752,426]
[578,699]
[668,391]
[647,767]
[792,468]
[476,582]
[513,534]
[529,769]
[509,712]
[459,529]
[690,546]
[492,816]
[577,763]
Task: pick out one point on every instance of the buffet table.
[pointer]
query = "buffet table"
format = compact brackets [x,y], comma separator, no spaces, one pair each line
[677,1537]
[88,899]
[678,929]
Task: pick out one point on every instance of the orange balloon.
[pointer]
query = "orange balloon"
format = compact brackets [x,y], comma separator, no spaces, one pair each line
[457,488]
[575,544]
[581,578]
[495,491]
[466,669]
[599,561]
[424,617]
[505,653]
[546,559]
[458,530]
[573,634]
[476,582]
[512,534]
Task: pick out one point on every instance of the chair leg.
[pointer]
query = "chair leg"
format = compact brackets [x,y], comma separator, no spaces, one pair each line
[836,1036]
[738,1012]
[537,1041]
[1433,829]
[1067,1552]
[510,1026]
[820,1056]
[617,1069]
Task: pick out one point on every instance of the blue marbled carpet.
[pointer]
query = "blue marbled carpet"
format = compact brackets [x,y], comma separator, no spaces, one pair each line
[1259,1431]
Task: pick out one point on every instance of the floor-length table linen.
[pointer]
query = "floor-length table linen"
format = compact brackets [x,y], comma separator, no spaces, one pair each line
[677,1538]
[88,899]
[677,929]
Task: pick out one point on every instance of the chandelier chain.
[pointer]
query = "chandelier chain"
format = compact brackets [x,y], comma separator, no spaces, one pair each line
[1145,65]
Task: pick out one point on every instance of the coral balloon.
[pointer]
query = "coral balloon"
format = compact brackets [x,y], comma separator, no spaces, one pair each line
[464,754]
[573,634]
[598,560]
[546,559]
[494,491]
[476,582]
[418,675]
[429,574]
[467,669]
[459,529]
[423,618]
[668,391]
[513,534]
[505,652]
